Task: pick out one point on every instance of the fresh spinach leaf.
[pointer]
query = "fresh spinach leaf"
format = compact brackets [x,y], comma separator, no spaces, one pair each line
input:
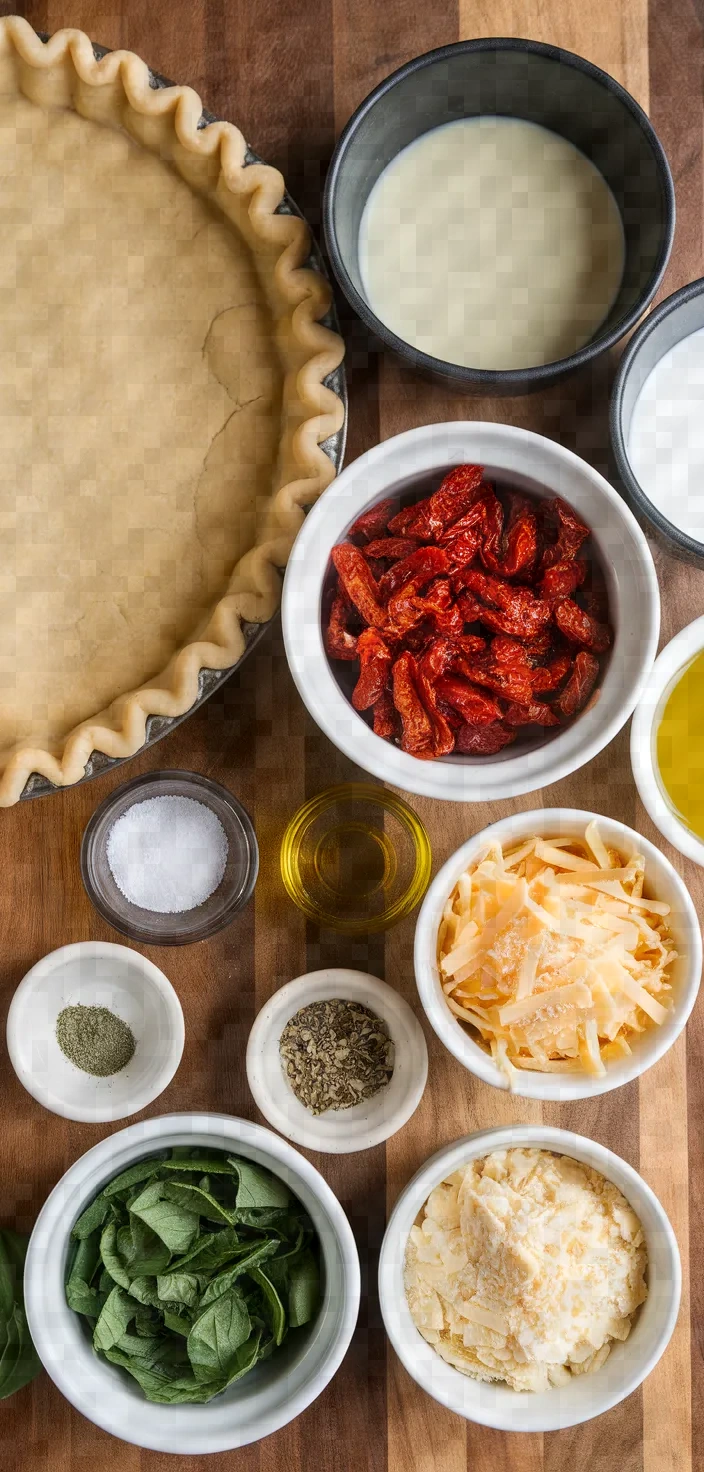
[257,1187]
[224,1281]
[142,1171]
[176,1226]
[144,1290]
[179,1288]
[276,1310]
[111,1257]
[84,1299]
[116,1316]
[194,1198]
[19,1361]
[303,1290]
[212,1250]
[177,1323]
[94,1216]
[217,1335]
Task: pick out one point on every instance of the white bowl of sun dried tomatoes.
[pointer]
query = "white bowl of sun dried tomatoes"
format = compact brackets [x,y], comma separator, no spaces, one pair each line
[470,611]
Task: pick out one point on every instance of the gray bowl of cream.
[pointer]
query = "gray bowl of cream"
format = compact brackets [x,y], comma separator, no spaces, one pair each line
[499,212]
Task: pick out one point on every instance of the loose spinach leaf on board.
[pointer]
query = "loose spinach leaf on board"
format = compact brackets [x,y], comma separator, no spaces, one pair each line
[19,1361]
[176,1294]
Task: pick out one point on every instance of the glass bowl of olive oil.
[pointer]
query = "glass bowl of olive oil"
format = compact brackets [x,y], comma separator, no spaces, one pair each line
[356,858]
[667,742]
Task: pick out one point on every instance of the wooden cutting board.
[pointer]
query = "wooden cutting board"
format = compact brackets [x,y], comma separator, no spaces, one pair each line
[290,74]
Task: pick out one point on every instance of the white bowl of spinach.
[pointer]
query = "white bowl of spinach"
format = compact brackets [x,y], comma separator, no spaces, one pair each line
[192,1283]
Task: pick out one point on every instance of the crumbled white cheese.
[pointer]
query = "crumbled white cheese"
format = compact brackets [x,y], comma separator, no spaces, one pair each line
[524,1267]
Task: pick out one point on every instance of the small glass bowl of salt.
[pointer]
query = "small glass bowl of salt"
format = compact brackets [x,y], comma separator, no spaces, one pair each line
[169,858]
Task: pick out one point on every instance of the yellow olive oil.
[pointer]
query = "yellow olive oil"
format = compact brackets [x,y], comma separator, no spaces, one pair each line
[680,746]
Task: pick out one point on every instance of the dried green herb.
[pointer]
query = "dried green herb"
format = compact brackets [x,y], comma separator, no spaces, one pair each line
[94,1039]
[336,1054]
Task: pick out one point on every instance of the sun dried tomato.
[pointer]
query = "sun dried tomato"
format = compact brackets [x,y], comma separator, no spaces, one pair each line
[391,548]
[399,523]
[505,650]
[571,532]
[374,669]
[462,549]
[520,612]
[440,605]
[562,579]
[535,714]
[372,523]
[386,717]
[443,737]
[462,558]
[474,519]
[546,677]
[511,553]
[420,566]
[476,708]
[340,643]
[483,740]
[417,734]
[580,628]
[579,686]
[358,583]
[455,495]
[511,681]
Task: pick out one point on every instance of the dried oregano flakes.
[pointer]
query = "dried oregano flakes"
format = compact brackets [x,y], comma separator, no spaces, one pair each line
[336,1053]
[190,1269]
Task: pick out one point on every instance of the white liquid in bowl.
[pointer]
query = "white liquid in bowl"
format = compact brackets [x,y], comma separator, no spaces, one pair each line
[492,243]
[666,436]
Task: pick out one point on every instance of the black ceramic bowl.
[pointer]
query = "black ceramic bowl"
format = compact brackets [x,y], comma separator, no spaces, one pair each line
[677,317]
[522,79]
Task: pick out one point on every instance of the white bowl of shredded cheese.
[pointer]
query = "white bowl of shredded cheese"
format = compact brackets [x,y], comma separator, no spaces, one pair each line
[559,1277]
[558,954]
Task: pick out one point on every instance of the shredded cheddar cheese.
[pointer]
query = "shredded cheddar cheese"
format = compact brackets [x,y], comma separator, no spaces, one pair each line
[554,956]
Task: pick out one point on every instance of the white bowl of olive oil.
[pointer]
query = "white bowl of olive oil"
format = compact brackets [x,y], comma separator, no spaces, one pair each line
[667,742]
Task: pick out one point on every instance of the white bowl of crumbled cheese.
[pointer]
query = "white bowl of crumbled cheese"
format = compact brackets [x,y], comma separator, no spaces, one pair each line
[558,953]
[529,1279]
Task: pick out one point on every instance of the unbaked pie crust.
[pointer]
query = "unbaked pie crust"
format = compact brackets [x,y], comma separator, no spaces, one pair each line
[162,403]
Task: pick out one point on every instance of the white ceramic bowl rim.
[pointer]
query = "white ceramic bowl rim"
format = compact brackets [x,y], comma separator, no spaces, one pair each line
[586,1396]
[654,1043]
[670,663]
[544,466]
[252,1408]
[366,1124]
[94,1100]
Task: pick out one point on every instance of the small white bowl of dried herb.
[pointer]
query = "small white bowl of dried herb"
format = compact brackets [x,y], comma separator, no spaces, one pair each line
[337,1061]
[95,1032]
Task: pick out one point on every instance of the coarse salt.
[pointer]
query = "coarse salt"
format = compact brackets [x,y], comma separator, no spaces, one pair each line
[167,854]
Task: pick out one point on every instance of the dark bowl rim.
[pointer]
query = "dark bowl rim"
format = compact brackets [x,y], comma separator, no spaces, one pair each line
[485,378]
[642,502]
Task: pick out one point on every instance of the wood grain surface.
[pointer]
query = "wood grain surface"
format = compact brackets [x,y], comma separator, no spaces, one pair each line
[289,74]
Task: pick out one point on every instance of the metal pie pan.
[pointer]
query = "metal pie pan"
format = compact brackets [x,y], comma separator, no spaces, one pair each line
[210,680]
